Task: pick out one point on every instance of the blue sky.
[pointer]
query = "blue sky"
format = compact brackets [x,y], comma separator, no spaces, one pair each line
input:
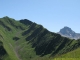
[52,14]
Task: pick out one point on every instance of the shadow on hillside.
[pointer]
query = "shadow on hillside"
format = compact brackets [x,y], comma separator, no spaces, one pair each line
[2,51]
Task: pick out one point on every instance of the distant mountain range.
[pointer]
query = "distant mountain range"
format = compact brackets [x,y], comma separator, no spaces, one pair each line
[68,32]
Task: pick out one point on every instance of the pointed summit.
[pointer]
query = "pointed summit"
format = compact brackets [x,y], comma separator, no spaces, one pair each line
[68,32]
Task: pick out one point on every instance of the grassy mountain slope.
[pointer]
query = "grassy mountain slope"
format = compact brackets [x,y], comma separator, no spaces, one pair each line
[3,52]
[8,28]
[25,40]
[73,55]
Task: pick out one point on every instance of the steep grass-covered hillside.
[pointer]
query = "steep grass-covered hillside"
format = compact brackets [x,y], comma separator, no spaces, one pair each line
[73,55]
[26,40]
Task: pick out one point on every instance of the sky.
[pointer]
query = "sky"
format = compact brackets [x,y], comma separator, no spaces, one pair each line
[52,14]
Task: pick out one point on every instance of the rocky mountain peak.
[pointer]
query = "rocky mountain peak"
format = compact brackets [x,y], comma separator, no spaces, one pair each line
[68,32]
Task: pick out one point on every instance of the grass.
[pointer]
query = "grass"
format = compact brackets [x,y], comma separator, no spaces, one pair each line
[6,43]
[66,59]
[73,55]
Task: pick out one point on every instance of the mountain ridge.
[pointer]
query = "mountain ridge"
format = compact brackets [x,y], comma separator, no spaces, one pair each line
[31,41]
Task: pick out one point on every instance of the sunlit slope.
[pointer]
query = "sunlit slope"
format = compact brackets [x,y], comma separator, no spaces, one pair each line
[8,29]
[73,55]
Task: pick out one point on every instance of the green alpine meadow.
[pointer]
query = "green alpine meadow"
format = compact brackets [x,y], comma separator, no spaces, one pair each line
[27,40]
